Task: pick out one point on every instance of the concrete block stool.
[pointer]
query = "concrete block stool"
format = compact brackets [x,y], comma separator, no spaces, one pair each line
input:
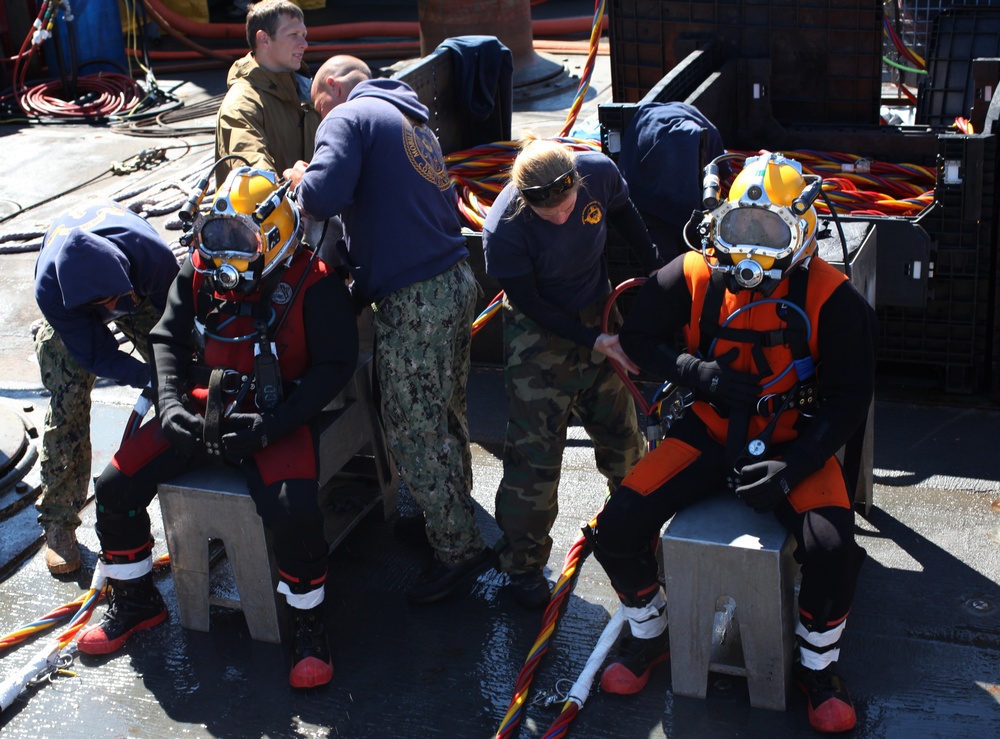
[730,587]
[214,503]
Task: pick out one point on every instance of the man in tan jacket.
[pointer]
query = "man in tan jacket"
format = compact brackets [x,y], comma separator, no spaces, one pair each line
[267,117]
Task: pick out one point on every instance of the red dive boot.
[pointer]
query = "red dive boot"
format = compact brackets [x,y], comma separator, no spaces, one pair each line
[830,707]
[636,660]
[311,662]
[133,605]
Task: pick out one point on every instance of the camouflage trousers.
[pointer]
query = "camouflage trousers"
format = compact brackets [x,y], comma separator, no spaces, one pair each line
[422,356]
[66,452]
[549,379]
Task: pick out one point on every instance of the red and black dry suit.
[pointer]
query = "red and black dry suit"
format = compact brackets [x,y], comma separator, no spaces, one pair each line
[692,462]
[317,349]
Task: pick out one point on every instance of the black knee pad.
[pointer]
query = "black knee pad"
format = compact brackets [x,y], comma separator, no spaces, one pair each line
[633,572]
[124,530]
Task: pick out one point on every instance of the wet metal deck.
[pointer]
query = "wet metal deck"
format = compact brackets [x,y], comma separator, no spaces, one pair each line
[921,652]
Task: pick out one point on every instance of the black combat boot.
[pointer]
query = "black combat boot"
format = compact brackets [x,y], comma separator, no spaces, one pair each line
[412,530]
[441,579]
[133,605]
[531,589]
[311,662]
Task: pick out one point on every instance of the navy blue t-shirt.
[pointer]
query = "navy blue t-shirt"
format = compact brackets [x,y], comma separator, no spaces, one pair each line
[567,259]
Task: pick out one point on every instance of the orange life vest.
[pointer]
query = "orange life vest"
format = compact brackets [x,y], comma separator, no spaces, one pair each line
[769,323]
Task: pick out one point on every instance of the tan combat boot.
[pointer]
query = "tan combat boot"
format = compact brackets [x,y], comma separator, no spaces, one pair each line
[62,554]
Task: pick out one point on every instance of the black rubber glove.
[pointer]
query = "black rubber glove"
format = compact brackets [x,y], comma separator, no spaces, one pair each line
[763,485]
[716,382]
[183,429]
[246,434]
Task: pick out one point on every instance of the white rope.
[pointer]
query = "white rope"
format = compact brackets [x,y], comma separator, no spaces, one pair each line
[581,688]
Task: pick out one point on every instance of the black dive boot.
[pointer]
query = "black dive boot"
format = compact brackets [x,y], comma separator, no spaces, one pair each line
[133,605]
[311,662]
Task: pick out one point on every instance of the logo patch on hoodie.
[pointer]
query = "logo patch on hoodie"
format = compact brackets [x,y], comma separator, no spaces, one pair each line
[424,152]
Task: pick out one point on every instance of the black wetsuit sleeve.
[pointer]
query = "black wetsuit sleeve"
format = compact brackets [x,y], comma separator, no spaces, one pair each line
[629,224]
[845,375]
[331,329]
[661,307]
[523,293]
[171,340]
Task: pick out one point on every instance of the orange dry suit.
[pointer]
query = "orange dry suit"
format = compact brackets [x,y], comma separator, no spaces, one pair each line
[811,342]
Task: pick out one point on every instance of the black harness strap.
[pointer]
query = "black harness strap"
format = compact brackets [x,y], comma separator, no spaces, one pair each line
[803,394]
[795,335]
[213,412]
[708,324]
[710,329]
[214,310]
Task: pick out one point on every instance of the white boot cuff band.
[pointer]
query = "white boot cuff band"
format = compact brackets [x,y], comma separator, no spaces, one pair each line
[128,571]
[302,601]
[650,620]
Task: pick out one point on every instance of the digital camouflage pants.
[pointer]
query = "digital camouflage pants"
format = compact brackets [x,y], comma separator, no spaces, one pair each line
[423,343]
[66,451]
[549,379]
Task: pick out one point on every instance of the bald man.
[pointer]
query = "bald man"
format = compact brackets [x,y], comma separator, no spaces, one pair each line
[379,165]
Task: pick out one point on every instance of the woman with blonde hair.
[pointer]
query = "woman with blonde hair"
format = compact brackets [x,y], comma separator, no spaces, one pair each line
[544,242]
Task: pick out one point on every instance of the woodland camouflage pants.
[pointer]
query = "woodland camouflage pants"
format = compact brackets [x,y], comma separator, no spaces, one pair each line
[549,379]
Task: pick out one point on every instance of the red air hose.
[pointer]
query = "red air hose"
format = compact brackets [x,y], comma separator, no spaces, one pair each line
[406,33]
[98,96]
[619,370]
[344,31]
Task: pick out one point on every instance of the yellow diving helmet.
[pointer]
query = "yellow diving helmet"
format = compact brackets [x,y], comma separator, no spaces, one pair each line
[252,228]
[767,225]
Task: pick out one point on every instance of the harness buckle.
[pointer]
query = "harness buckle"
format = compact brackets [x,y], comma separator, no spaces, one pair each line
[232,381]
[671,409]
[763,404]
[807,401]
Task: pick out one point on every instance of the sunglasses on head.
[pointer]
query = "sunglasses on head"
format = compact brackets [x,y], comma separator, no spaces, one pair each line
[543,193]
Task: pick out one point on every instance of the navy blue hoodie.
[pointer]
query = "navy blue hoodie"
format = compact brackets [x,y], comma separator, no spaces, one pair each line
[97,251]
[380,167]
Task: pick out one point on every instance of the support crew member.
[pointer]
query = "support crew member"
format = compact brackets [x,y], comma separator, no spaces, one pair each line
[99,263]
[409,261]
[267,116]
[544,242]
